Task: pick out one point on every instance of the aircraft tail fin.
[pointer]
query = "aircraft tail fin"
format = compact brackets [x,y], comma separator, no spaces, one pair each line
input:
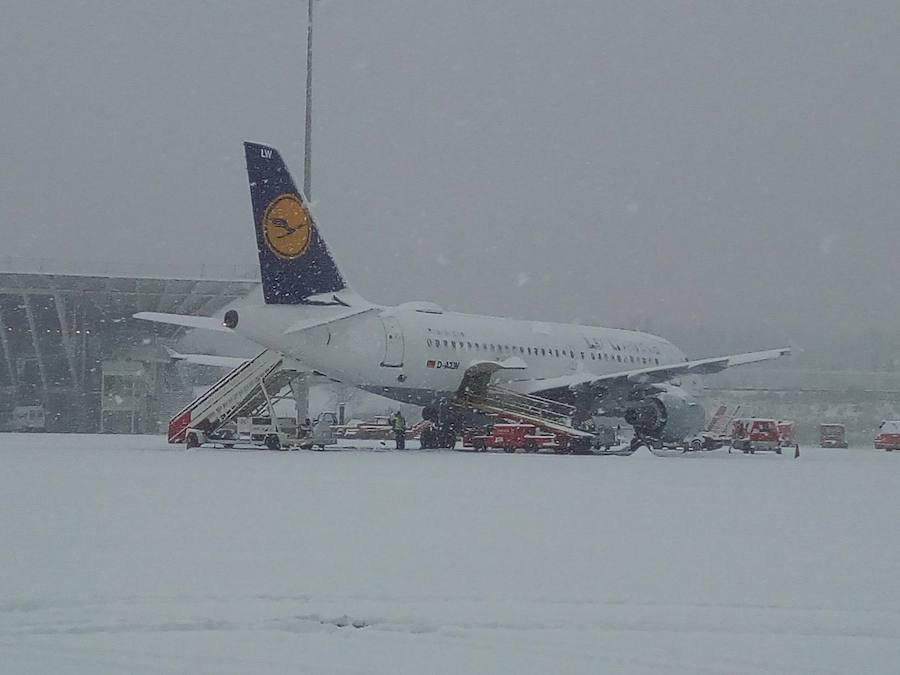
[295,264]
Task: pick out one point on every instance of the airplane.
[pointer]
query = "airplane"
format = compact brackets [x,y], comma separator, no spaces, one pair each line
[418,353]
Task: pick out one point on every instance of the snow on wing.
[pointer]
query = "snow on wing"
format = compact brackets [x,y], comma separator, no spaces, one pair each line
[655,374]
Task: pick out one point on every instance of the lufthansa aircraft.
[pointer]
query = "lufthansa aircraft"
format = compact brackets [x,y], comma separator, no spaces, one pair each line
[418,353]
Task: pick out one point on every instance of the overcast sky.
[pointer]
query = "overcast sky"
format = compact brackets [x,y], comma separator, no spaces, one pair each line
[679,166]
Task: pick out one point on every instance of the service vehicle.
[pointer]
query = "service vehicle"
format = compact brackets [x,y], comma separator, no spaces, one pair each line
[888,437]
[832,436]
[257,432]
[278,433]
[378,428]
[755,434]
[322,432]
[509,437]
[259,429]
[786,434]
[605,436]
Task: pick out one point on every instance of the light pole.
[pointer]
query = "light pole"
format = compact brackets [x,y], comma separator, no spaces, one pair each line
[307,154]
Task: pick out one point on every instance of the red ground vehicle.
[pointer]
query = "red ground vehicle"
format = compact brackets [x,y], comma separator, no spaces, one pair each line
[832,436]
[510,437]
[785,434]
[888,437]
[752,435]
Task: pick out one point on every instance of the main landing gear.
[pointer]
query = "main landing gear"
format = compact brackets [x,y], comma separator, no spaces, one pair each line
[435,437]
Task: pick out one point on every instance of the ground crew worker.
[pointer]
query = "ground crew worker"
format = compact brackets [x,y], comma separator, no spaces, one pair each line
[400,430]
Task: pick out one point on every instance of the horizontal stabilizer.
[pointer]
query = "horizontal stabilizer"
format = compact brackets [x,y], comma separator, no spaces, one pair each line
[316,321]
[208,359]
[205,322]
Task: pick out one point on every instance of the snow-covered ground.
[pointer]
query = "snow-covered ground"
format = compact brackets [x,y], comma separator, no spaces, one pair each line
[122,555]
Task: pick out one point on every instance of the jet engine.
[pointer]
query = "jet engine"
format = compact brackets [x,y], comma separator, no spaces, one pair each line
[670,415]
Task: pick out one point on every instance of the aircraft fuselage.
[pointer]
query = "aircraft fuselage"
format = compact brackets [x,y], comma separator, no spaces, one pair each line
[413,355]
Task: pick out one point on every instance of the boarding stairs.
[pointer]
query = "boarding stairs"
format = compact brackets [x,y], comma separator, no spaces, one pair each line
[720,422]
[245,391]
[514,406]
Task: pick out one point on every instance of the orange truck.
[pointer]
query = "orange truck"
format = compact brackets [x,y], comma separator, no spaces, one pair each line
[755,434]
[511,436]
[888,437]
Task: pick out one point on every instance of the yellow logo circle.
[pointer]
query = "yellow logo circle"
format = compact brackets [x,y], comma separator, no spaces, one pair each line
[286,226]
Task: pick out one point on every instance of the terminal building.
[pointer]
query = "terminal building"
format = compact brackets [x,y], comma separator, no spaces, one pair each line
[72,356]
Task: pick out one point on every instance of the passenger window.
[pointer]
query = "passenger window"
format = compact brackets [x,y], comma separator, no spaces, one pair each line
[428,342]
[468,345]
[446,344]
[543,353]
[557,352]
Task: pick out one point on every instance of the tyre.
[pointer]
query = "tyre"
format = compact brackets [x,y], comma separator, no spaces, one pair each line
[509,451]
[696,445]
[191,441]
[426,440]
[777,451]
[273,442]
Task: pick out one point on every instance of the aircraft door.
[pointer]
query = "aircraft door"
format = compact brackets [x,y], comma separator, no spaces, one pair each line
[393,343]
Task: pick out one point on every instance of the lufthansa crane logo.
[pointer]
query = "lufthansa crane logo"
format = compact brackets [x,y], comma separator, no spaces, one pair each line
[286,226]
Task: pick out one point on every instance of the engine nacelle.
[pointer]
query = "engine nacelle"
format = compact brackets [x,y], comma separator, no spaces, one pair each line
[670,416]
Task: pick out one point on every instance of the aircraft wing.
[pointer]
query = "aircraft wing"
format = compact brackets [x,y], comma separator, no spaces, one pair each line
[644,376]
[208,359]
[205,322]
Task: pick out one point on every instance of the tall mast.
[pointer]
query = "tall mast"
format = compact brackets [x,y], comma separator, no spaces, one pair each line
[307,156]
